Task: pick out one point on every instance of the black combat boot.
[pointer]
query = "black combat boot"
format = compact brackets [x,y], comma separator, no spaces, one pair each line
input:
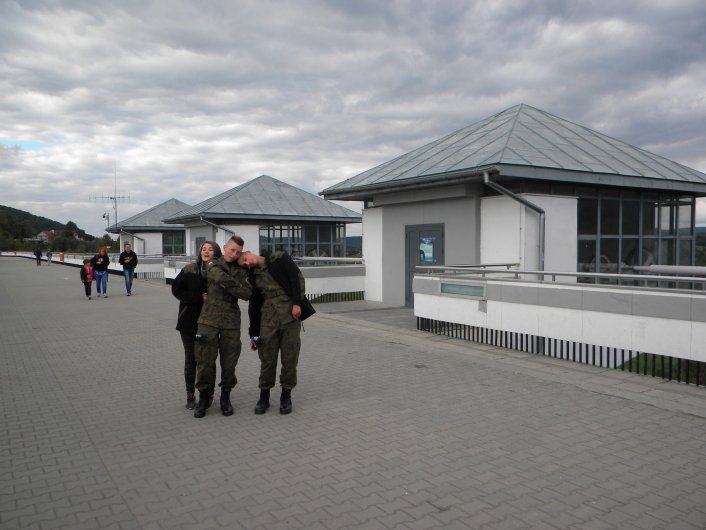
[202,405]
[190,400]
[264,402]
[285,401]
[226,407]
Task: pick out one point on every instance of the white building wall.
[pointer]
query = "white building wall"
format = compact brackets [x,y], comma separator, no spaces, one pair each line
[194,232]
[561,229]
[250,233]
[153,243]
[373,253]
[501,238]
[510,232]
[456,207]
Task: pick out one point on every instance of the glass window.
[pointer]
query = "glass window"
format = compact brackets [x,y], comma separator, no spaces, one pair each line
[668,218]
[608,258]
[304,240]
[650,217]
[588,216]
[685,252]
[173,243]
[684,218]
[631,218]
[648,252]
[667,252]
[610,216]
[630,255]
[586,255]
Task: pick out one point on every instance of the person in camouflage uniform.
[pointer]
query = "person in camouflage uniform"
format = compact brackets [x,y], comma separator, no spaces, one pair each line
[219,326]
[275,310]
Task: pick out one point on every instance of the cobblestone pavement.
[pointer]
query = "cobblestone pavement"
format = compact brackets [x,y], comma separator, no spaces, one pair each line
[392,428]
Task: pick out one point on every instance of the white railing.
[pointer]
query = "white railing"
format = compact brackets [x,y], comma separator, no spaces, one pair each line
[658,276]
[659,314]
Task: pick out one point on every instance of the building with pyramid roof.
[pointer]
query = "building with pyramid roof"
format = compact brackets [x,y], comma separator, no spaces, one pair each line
[526,187]
[149,235]
[269,214]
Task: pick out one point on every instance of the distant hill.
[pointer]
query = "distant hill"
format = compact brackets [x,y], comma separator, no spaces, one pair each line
[18,225]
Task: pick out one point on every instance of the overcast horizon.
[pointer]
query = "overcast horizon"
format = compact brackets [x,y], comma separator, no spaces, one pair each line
[186,100]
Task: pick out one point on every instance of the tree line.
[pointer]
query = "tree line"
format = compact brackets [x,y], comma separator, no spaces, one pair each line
[19,230]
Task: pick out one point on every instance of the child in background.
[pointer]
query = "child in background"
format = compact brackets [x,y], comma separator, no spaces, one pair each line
[87,277]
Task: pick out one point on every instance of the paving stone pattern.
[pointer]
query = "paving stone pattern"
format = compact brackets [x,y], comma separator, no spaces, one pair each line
[392,428]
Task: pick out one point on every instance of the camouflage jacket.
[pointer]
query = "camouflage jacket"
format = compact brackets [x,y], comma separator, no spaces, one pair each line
[275,288]
[226,283]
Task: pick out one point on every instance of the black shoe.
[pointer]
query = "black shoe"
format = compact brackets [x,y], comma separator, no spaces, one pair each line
[264,403]
[285,402]
[190,401]
[202,405]
[226,407]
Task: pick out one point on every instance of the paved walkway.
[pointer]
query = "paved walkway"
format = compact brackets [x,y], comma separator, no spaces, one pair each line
[392,428]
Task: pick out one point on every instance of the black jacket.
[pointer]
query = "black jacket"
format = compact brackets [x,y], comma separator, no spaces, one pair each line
[188,287]
[100,263]
[128,259]
[286,274]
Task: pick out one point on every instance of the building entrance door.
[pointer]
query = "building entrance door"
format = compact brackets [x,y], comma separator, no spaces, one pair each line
[424,246]
[198,243]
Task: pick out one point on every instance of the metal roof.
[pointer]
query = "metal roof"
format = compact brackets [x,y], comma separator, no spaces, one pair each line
[151,219]
[525,142]
[266,198]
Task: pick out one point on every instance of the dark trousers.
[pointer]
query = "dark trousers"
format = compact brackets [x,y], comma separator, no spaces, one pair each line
[187,340]
[87,287]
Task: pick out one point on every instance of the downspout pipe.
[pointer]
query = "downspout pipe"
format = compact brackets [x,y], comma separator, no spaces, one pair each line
[542,229]
[134,236]
[217,227]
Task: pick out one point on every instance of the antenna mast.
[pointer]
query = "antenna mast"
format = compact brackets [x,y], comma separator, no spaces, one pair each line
[114,197]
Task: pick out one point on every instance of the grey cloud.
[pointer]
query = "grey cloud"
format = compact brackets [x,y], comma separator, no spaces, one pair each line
[189,99]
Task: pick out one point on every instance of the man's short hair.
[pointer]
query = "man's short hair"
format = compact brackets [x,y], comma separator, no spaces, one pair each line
[237,240]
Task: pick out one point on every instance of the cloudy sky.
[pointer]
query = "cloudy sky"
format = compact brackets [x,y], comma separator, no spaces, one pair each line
[187,99]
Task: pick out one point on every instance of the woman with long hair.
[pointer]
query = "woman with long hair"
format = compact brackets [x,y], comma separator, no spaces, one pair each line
[100,264]
[190,288]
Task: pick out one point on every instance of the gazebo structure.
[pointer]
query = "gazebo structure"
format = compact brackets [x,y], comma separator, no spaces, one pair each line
[149,235]
[269,214]
[523,187]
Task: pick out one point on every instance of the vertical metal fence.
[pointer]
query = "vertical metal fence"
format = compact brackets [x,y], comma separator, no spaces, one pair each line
[664,366]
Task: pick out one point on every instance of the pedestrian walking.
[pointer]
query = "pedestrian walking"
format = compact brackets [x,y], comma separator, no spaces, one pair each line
[190,288]
[38,255]
[87,277]
[276,310]
[218,330]
[49,255]
[100,263]
[128,259]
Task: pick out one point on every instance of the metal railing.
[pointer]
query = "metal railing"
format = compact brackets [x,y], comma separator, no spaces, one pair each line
[662,277]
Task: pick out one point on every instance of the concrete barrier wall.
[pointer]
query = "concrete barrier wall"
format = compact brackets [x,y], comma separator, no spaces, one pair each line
[661,322]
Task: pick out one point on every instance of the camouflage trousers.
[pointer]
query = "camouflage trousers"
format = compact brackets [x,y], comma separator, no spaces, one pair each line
[279,338]
[225,342]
